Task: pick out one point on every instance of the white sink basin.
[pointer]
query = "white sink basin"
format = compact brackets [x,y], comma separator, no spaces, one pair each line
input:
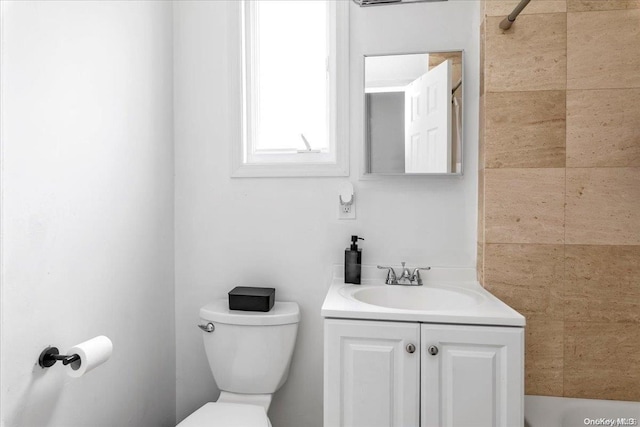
[428,297]
[449,295]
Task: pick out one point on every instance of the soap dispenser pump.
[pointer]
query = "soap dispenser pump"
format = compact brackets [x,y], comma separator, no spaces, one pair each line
[353,262]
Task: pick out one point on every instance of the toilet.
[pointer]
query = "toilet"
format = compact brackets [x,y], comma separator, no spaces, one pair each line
[249,354]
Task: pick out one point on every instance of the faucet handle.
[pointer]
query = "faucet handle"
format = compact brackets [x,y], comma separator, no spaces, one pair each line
[416,274]
[391,275]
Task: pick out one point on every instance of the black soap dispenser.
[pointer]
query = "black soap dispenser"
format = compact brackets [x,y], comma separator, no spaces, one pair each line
[353,262]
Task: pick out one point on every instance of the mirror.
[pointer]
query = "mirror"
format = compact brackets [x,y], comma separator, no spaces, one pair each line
[413,114]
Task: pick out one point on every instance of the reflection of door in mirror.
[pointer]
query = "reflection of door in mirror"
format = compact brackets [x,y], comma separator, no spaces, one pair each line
[428,121]
[413,114]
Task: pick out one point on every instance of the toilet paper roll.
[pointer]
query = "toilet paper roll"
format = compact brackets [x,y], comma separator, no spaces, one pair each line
[93,353]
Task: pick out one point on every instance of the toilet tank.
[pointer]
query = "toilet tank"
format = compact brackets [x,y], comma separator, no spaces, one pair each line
[250,352]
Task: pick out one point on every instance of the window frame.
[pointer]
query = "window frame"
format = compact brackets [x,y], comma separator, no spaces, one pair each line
[289,163]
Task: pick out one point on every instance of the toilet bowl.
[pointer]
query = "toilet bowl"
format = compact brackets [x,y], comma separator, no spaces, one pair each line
[249,354]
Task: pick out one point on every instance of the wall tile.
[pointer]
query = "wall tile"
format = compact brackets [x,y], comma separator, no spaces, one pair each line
[603,49]
[437,58]
[524,205]
[603,206]
[582,300]
[482,132]
[527,277]
[601,360]
[481,206]
[480,263]
[532,55]
[603,127]
[595,5]
[602,283]
[525,129]
[504,7]
[544,356]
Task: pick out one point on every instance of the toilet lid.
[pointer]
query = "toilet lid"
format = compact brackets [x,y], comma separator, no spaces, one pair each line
[227,415]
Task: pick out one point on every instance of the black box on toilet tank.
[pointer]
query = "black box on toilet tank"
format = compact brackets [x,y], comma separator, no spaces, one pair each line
[249,298]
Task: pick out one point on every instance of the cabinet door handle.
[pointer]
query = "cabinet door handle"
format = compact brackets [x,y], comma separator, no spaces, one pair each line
[411,348]
[433,350]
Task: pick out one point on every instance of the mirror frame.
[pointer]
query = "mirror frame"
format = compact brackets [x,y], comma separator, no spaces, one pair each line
[364,155]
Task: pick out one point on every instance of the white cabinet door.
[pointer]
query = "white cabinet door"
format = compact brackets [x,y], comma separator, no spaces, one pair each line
[475,379]
[370,379]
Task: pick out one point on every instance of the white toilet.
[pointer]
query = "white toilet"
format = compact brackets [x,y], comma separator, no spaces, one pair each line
[249,354]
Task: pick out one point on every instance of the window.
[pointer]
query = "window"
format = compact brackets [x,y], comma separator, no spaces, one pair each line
[293,77]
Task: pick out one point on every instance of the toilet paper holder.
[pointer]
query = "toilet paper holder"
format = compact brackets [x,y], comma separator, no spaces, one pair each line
[51,355]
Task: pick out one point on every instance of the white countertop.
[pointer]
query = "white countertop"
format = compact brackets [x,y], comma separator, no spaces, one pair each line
[489,311]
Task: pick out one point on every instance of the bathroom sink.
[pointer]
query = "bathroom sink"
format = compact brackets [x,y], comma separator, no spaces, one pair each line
[428,297]
[448,295]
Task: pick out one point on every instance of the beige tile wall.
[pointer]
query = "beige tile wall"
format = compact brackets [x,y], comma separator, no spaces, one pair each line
[559,194]
[525,129]
[609,116]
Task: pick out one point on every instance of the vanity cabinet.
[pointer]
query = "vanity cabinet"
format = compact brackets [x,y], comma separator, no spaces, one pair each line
[406,374]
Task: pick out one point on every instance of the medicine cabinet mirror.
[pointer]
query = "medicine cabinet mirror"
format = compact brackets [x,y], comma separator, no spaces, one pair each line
[413,114]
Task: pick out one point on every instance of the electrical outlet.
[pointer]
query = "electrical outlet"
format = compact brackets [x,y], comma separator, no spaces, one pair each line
[346,201]
[347,210]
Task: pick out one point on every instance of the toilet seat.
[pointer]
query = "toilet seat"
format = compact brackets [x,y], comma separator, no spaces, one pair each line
[215,414]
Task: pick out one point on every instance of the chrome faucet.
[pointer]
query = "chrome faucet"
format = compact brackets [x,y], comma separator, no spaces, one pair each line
[407,278]
[406,274]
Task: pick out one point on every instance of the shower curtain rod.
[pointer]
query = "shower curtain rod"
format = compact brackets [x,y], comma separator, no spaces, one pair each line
[455,88]
[511,18]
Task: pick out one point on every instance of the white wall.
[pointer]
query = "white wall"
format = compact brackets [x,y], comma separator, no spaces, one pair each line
[87,199]
[284,232]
